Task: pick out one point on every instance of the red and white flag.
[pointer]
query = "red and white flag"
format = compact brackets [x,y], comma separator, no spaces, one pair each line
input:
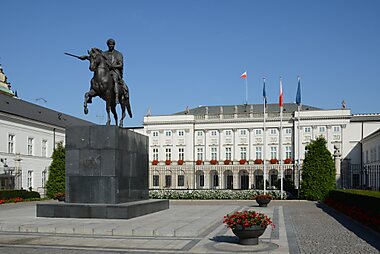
[280,102]
[244,75]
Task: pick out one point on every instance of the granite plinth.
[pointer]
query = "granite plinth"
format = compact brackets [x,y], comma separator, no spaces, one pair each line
[105,165]
[102,211]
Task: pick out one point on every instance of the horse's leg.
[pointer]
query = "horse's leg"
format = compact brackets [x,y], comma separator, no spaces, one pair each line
[86,95]
[108,107]
[113,109]
[122,105]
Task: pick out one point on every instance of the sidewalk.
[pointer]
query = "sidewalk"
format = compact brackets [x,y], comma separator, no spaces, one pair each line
[186,227]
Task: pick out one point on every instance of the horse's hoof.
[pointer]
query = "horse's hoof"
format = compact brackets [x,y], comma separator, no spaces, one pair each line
[86,111]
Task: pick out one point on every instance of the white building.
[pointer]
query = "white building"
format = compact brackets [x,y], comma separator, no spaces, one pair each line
[28,135]
[220,146]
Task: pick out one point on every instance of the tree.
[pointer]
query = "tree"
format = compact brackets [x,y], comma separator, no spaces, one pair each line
[56,181]
[318,171]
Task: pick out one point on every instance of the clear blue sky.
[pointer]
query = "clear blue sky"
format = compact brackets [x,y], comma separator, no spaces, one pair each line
[192,52]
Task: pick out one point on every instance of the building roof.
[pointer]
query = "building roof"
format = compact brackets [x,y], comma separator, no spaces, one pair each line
[371,136]
[245,108]
[18,107]
[365,117]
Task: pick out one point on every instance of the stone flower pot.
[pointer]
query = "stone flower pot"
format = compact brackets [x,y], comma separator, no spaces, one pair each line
[263,202]
[250,235]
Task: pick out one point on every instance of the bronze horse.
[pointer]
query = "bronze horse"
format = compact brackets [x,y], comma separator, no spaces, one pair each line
[102,86]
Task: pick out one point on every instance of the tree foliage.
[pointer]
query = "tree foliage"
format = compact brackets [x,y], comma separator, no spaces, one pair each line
[56,181]
[318,171]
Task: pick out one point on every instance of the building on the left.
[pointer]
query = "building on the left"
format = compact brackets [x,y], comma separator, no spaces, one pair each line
[28,135]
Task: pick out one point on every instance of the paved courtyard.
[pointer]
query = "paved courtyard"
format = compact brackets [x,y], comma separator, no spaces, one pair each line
[186,227]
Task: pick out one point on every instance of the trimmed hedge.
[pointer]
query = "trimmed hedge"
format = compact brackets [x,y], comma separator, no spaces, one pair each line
[212,194]
[7,194]
[364,201]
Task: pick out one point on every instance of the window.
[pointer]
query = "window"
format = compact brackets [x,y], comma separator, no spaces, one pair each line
[228,133]
[168,154]
[44,148]
[213,133]
[201,180]
[181,133]
[243,132]
[378,153]
[30,146]
[30,179]
[181,180]
[306,129]
[200,153]
[215,181]
[43,179]
[168,133]
[155,133]
[273,152]
[228,153]
[366,156]
[336,129]
[199,133]
[258,131]
[11,143]
[214,153]
[243,153]
[288,131]
[155,154]
[156,180]
[168,181]
[288,152]
[181,154]
[259,153]
[322,128]
[273,131]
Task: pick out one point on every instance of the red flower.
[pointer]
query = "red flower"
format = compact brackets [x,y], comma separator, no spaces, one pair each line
[258,161]
[213,162]
[273,161]
[168,162]
[288,161]
[227,162]
[198,162]
[242,161]
[155,162]
[180,162]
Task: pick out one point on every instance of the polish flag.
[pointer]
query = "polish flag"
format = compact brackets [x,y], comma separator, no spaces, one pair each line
[244,75]
[281,99]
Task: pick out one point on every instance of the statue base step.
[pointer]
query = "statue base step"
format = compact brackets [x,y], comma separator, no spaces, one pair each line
[102,211]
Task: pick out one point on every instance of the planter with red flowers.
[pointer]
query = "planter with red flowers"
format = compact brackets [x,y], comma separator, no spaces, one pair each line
[288,161]
[199,162]
[213,162]
[247,225]
[258,161]
[180,162]
[273,161]
[154,162]
[168,162]
[242,161]
[227,162]
[263,199]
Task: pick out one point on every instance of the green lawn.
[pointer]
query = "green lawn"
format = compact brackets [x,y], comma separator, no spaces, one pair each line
[375,194]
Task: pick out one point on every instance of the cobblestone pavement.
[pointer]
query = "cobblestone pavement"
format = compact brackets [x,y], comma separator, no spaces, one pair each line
[187,227]
[320,229]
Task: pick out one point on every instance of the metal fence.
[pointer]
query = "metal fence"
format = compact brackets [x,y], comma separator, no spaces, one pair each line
[356,176]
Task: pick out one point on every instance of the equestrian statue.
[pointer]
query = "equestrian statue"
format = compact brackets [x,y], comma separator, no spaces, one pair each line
[107,82]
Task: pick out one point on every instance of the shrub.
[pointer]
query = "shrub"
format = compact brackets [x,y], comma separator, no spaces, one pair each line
[318,171]
[56,181]
[12,194]
[212,194]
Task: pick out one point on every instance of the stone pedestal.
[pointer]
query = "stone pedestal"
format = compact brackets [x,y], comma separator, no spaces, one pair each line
[106,166]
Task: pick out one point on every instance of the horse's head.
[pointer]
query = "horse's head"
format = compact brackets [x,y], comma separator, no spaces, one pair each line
[95,58]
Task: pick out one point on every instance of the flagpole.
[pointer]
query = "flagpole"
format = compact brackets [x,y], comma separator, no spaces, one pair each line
[280,141]
[246,90]
[299,137]
[264,140]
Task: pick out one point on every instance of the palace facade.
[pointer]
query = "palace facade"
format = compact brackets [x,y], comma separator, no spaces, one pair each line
[223,147]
